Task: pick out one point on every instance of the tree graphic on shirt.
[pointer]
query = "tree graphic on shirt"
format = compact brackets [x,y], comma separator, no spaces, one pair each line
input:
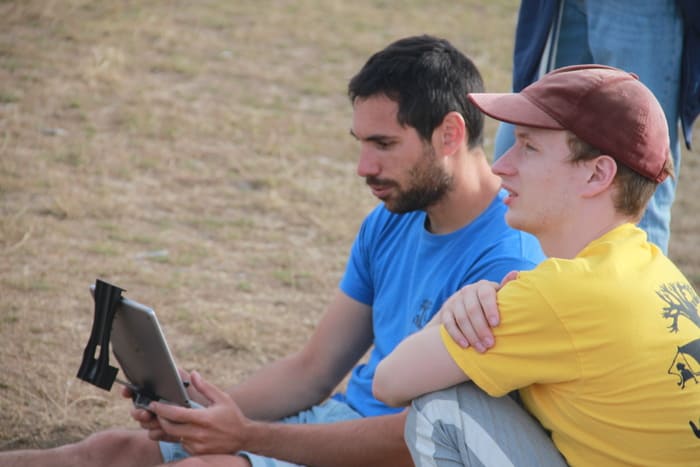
[682,301]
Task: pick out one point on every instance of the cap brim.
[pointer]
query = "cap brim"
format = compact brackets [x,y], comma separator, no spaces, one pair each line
[513,108]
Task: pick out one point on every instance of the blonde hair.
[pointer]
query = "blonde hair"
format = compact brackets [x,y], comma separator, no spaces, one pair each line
[632,190]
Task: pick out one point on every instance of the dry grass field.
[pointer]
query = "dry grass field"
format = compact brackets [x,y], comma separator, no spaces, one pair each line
[196,154]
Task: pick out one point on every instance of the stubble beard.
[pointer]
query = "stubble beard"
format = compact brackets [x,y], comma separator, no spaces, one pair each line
[429,183]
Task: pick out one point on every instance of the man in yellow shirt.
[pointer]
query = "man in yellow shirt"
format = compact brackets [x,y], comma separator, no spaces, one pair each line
[602,340]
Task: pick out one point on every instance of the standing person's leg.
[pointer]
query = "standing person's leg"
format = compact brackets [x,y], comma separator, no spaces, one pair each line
[645,37]
[463,426]
[567,44]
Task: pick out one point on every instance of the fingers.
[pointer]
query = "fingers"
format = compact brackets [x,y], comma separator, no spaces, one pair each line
[457,321]
[171,413]
[456,333]
[469,315]
[509,277]
[126,392]
[486,306]
[150,423]
[474,325]
[212,393]
[160,435]
[142,416]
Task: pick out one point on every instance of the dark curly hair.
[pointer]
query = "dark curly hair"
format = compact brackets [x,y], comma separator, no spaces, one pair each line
[428,78]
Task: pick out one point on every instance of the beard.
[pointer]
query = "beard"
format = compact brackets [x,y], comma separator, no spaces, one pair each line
[428,184]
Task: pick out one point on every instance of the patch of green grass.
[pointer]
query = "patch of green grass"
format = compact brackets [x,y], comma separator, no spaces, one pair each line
[71,157]
[29,284]
[73,104]
[8,97]
[180,65]
[103,249]
[118,234]
[10,319]
[185,257]
[289,277]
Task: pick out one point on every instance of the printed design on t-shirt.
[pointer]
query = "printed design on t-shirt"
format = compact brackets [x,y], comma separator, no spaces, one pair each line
[421,318]
[682,301]
[686,363]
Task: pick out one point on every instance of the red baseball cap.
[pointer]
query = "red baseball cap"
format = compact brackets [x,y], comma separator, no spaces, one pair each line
[606,107]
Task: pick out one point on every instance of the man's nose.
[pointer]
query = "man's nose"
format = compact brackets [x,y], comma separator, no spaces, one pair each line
[368,164]
[503,165]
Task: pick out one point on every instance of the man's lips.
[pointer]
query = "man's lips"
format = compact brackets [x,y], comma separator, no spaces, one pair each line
[510,197]
[380,191]
[379,188]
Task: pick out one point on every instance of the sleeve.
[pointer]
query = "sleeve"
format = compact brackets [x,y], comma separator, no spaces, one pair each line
[522,253]
[535,18]
[357,280]
[532,345]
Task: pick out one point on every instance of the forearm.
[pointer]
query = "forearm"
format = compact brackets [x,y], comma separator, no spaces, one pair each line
[307,377]
[418,365]
[280,389]
[370,441]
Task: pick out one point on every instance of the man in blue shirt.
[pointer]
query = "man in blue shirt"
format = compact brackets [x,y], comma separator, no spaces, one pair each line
[441,226]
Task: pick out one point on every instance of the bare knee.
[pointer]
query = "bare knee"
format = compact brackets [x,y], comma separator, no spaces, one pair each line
[214,461]
[113,447]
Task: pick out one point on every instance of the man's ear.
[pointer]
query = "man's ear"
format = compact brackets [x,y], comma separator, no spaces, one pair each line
[601,174]
[450,135]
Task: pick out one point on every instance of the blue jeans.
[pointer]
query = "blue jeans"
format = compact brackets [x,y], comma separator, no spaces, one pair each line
[641,36]
[328,412]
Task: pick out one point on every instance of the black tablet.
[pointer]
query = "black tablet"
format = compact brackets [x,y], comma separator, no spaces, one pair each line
[139,346]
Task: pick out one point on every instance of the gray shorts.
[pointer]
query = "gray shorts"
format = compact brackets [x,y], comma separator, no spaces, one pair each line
[464,426]
[328,412]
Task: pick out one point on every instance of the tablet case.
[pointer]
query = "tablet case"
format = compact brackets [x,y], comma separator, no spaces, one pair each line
[138,344]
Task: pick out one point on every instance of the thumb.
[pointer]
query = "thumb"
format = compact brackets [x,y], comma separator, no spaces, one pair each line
[511,276]
[208,390]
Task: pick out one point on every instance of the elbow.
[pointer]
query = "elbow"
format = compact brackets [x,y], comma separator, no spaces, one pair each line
[386,389]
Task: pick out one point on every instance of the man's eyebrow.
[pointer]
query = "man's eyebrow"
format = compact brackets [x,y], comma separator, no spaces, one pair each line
[521,132]
[373,138]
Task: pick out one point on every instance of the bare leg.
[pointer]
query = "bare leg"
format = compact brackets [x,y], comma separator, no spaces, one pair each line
[213,461]
[113,448]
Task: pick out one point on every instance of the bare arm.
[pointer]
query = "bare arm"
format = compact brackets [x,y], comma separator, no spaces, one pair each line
[303,379]
[371,441]
[419,365]
[233,421]
[308,376]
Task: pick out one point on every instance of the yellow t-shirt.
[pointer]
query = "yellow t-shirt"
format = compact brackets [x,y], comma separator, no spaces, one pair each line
[605,349]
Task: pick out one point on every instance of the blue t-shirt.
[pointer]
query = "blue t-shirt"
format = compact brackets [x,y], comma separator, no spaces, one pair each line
[405,273]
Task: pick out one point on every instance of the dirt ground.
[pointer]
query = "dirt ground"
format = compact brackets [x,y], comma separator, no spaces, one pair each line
[196,154]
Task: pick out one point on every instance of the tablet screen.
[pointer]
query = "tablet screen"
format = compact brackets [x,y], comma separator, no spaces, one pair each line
[139,346]
[142,352]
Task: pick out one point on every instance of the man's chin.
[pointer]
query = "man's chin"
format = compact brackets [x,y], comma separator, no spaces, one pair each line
[390,207]
[394,207]
[516,222]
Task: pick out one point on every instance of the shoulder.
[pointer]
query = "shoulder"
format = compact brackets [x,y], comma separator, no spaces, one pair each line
[553,276]
[381,221]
